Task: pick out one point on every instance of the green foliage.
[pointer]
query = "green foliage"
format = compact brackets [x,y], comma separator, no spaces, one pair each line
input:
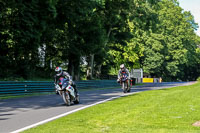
[155,35]
[170,49]
[23,22]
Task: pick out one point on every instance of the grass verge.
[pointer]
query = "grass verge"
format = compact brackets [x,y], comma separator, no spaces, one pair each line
[170,110]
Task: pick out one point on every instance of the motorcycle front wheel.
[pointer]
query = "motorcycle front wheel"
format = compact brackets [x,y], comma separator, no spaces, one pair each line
[124,87]
[66,98]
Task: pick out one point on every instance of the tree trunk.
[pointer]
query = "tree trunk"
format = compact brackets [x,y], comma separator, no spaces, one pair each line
[98,73]
[90,68]
[47,60]
[92,65]
[71,67]
[74,67]
[77,69]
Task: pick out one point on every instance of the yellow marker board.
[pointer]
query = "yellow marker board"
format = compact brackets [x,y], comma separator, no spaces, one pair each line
[147,80]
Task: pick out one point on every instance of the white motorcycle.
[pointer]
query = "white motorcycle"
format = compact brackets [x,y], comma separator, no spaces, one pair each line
[125,83]
[67,92]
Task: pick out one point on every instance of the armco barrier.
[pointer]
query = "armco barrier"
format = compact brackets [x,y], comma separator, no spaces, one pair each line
[13,88]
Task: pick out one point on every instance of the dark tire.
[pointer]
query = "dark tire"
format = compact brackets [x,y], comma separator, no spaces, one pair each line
[124,87]
[66,98]
[128,88]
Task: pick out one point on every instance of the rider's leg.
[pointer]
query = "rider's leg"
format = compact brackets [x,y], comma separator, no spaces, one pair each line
[75,89]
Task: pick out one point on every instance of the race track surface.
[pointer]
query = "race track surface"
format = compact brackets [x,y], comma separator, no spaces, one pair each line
[18,113]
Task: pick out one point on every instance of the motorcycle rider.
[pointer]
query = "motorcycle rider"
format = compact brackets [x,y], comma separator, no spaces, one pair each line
[123,70]
[60,73]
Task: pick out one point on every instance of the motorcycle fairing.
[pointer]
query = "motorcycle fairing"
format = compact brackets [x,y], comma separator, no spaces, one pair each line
[71,90]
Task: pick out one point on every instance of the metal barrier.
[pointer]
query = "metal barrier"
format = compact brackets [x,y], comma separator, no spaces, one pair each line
[13,88]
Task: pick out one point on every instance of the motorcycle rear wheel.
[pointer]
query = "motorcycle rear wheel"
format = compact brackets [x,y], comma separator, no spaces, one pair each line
[77,99]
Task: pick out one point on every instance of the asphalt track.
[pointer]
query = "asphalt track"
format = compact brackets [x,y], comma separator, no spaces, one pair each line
[19,114]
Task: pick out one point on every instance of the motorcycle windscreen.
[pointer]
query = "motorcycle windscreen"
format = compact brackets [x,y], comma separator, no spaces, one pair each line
[124,77]
[60,81]
[63,82]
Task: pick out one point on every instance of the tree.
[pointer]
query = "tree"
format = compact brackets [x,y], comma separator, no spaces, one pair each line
[24,23]
[168,53]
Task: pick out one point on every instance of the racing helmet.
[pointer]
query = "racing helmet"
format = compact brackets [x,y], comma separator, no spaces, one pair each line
[58,71]
[122,67]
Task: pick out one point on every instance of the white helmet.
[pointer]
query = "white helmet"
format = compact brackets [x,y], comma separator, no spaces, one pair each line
[58,71]
[122,66]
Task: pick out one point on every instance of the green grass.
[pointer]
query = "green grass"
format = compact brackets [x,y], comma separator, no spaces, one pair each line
[172,110]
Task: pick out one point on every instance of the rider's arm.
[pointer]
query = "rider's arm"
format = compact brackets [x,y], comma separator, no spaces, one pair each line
[55,79]
[119,73]
[128,73]
[66,74]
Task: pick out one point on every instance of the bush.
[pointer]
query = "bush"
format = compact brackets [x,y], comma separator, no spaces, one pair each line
[198,79]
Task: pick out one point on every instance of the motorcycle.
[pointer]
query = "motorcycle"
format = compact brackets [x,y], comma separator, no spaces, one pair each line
[67,92]
[125,83]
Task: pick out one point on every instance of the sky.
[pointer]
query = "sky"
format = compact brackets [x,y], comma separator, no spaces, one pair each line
[194,7]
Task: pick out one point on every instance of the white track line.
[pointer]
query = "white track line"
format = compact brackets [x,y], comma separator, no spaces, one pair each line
[70,112]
